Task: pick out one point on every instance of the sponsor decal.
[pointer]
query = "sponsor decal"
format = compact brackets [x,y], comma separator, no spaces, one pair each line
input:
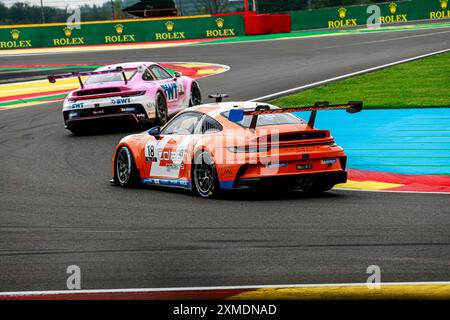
[120,37]
[226,172]
[170,34]
[15,34]
[393,18]
[277,165]
[392,7]
[15,43]
[167,157]
[328,161]
[120,101]
[171,91]
[342,21]
[342,12]
[170,157]
[68,40]
[168,182]
[128,109]
[77,105]
[220,31]
[441,14]
[119,28]
[150,154]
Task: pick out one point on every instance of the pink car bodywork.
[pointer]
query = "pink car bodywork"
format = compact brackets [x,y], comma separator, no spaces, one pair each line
[128,92]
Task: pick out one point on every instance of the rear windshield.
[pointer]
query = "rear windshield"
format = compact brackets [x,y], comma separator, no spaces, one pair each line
[109,77]
[269,119]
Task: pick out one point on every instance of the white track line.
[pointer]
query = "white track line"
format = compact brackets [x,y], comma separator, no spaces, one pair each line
[150,290]
[387,40]
[345,76]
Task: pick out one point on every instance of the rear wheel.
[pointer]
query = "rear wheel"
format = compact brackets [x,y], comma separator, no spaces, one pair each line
[204,175]
[196,95]
[162,115]
[127,174]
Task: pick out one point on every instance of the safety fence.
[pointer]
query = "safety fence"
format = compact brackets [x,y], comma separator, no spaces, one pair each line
[390,12]
[120,31]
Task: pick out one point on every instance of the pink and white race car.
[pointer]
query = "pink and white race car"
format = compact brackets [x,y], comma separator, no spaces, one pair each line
[138,92]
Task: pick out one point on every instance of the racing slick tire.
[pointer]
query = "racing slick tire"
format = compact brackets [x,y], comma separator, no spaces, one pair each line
[196,95]
[126,173]
[205,181]
[162,114]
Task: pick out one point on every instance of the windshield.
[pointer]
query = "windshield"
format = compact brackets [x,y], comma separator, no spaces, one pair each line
[269,119]
[109,77]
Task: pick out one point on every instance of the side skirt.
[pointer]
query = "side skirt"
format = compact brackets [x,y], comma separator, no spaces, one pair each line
[175,183]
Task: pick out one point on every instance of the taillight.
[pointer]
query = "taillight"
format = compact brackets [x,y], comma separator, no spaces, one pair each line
[343,161]
[140,93]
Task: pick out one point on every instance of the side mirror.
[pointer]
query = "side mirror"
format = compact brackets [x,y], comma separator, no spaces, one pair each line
[155,132]
[177,74]
[236,115]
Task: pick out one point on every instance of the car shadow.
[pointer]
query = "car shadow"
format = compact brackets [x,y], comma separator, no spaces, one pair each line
[250,195]
[274,195]
[110,130]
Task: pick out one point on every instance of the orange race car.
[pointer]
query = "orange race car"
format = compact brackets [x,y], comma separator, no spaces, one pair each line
[234,145]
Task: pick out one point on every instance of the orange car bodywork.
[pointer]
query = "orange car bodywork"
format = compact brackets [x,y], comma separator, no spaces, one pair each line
[300,151]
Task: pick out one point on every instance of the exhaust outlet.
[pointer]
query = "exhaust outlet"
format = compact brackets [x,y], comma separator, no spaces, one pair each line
[302,182]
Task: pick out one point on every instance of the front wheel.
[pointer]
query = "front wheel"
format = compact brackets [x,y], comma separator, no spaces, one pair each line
[204,175]
[127,174]
[196,95]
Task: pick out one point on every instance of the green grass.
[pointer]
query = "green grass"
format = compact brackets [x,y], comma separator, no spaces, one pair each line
[419,84]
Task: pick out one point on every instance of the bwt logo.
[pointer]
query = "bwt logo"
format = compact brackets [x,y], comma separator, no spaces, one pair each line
[170,91]
[120,101]
[77,105]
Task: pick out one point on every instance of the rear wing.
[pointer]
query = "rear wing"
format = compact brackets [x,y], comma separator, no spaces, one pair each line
[79,75]
[237,115]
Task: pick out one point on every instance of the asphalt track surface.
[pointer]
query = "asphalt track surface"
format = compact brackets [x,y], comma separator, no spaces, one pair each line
[58,209]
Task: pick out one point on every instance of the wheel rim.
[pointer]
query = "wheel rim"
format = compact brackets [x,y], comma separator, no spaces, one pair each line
[162,110]
[123,166]
[204,177]
[196,97]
